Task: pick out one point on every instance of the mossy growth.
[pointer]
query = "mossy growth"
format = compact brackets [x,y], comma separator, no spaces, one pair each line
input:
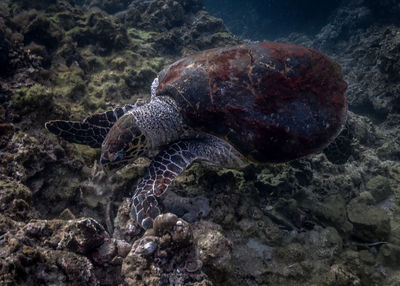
[271,179]
[128,75]
[221,37]
[118,63]
[13,190]
[140,36]
[99,29]
[70,83]
[30,99]
[103,86]
[88,154]
[50,33]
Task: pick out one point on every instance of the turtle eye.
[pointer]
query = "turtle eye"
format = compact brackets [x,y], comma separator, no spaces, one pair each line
[115,146]
[126,137]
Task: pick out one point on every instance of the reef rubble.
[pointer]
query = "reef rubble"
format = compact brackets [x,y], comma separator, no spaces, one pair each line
[329,219]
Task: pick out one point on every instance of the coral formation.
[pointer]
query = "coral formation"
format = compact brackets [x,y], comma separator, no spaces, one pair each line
[329,219]
[165,255]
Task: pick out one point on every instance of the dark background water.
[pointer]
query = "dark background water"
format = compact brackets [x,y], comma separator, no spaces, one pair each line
[258,20]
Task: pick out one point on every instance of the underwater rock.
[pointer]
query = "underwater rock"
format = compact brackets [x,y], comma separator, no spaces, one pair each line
[215,249]
[380,188]
[66,215]
[356,268]
[277,225]
[208,32]
[165,255]
[339,151]
[15,200]
[6,132]
[101,31]
[372,90]
[331,210]
[105,253]
[125,229]
[160,15]
[190,209]
[389,254]
[47,252]
[26,4]
[23,264]
[4,50]
[390,150]
[370,223]
[110,6]
[79,236]
[339,275]
[180,26]
[42,31]
[28,100]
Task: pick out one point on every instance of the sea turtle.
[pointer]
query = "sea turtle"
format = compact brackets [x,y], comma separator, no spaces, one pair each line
[255,102]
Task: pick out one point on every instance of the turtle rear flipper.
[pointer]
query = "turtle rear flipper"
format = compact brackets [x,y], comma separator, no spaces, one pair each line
[92,130]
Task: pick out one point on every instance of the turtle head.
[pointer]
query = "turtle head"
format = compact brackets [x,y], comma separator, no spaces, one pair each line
[124,143]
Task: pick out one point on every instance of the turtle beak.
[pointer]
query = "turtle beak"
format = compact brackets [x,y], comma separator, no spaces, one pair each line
[105,163]
[110,162]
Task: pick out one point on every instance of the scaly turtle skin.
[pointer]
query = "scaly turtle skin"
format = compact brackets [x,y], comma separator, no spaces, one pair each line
[263,102]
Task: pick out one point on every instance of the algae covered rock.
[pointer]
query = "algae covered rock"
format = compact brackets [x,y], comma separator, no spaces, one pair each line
[15,200]
[370,223]
[190,209]
[380,187]
[26,265]
[48,252]
[110,6]
[28,100]
[215,249]
[98,29]
[79,235]
[331,210]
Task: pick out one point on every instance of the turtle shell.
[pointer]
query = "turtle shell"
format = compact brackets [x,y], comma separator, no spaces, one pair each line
[274,102]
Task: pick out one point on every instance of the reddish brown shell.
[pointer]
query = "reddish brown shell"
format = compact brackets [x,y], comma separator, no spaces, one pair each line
[274,102]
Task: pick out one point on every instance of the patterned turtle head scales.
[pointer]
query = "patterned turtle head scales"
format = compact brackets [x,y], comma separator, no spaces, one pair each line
[123,143]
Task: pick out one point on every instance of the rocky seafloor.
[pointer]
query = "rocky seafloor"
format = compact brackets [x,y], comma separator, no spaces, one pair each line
[329,219]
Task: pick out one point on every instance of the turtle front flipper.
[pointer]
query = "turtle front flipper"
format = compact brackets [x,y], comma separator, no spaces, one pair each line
[169,164]
[108,118]
[92,130]
[78,132]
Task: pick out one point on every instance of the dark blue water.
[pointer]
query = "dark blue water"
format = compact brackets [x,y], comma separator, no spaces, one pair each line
[255,19]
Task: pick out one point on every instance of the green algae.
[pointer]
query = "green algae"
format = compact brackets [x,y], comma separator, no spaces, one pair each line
[87,153]
[235,176]
[140,36]
[30,99]
[272,180]
[70,83]
[98,29]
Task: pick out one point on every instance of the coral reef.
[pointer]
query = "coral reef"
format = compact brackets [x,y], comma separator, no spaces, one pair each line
[329,219]
[165,255]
